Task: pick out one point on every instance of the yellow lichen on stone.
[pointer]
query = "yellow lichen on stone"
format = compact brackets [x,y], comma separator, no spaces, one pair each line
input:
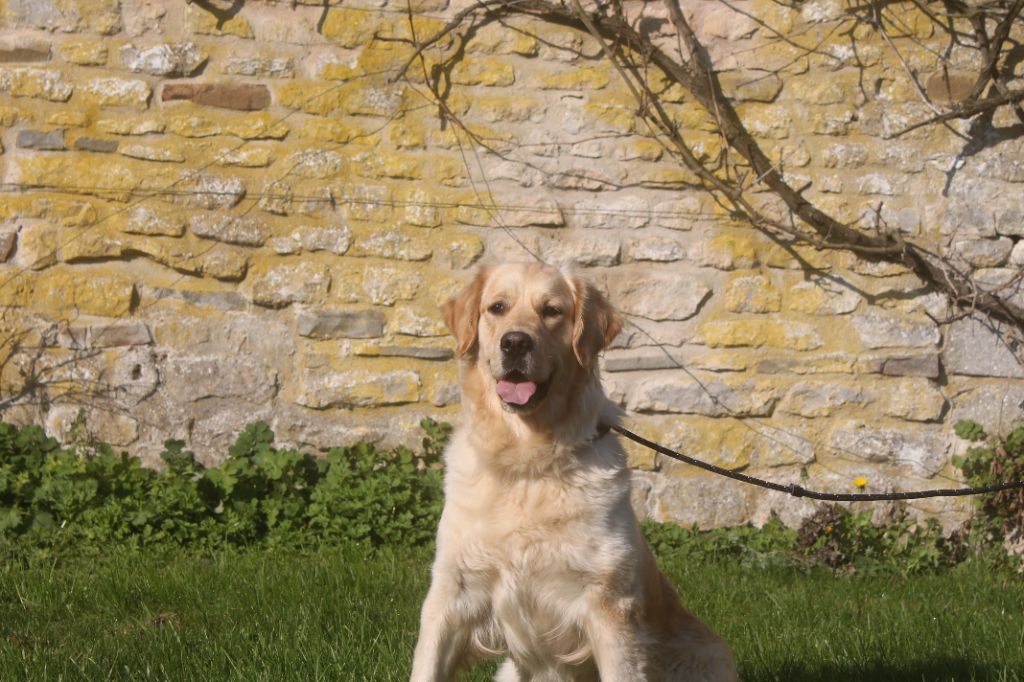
[727,252]
[247,156]
[65,292]
[483,71]
[757,333]
[338,130]
[913,399]
[83,52]
[155,151]
[114,92]
[349,28]
[47,84]
[752,294]
[112,179]
[585,78]
[203,22]
[130,126]
[459,252]
[259,125]
[68,119]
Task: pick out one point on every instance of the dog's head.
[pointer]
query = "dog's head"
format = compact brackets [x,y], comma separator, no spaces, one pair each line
[530,329]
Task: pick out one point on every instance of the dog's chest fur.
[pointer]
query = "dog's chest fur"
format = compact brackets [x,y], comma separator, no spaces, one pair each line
[534,547]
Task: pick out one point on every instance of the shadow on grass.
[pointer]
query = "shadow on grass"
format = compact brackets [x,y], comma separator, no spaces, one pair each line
[939,670]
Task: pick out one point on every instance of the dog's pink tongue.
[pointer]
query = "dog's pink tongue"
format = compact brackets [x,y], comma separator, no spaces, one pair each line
[517,393]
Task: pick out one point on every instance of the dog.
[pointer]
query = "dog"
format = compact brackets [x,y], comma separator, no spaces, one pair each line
[539,554]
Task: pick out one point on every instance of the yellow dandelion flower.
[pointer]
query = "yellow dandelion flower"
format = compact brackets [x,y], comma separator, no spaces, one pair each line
[860,481]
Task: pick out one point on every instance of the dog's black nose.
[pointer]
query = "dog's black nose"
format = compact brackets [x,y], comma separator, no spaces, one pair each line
[516,344]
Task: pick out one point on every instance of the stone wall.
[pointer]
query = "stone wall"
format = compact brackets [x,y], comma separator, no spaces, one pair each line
[211,218]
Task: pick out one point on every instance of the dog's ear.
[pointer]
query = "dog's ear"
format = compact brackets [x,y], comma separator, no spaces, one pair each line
[596,322]
[462,313]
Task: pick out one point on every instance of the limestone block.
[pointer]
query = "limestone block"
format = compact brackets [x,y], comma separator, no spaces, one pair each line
[133,372]
[660,296]
[194,377]
[83,53]
[752,294]
[286,283]
[459,253]
[205,23]
[824,297]
[214,300]
[115,92]
[168,152]
[65,422]
[787,445]
[482,71]
[359,388]
[878,330]
[913,399]
[977,347]
[846,155]
[39,83]
[751,86]
[924,450]
[386,286]
[145,220]
[611,213]
[104,296]
[726,252]
[38,246]
[705,502]
[657,249]
[991,404]
[99,145]
[263,67]
[235,96]
[641,359]
[247,156]
[926,366]
[130,126]
[394,245]
[118,334]
[49,141]
[759,332]
[575,79]
[983,253]
[335,324]
[580,251]
[243,230]
[413,322]
[207,190]
[684,395]
[418,352]
[166,59]
[823,399]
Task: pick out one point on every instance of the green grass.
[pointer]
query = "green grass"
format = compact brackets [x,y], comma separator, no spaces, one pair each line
[341,614]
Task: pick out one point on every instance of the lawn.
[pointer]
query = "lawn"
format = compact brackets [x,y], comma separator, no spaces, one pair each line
[345,614]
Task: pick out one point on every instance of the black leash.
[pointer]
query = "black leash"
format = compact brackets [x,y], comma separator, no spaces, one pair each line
[799,491]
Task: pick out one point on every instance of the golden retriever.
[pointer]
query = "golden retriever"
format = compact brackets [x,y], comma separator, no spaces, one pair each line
[539,555]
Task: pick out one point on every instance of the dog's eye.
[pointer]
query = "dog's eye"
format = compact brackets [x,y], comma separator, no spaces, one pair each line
[497,308]
[551,311]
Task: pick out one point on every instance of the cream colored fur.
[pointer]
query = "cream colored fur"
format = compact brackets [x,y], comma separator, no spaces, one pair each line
[539,555]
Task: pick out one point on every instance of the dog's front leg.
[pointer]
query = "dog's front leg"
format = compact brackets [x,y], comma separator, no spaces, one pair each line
[444,634]
[618,652]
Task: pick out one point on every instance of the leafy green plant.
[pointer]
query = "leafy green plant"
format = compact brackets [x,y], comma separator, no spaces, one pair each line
[1000,515]
[851,542]
[88,497]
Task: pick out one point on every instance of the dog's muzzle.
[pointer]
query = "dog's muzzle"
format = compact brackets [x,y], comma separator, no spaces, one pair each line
[518,392]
